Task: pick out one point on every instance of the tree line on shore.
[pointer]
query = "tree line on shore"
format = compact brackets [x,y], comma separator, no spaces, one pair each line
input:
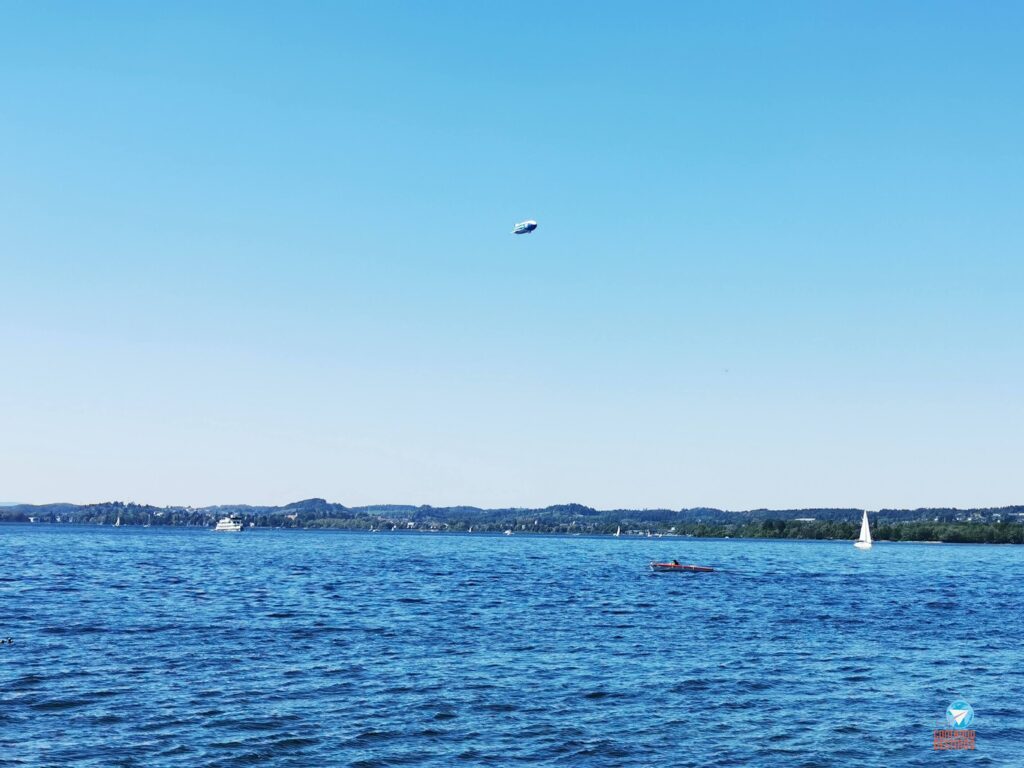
[998,526]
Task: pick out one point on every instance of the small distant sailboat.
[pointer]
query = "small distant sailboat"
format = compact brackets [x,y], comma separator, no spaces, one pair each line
[117,523]
[864,542]
[618,531]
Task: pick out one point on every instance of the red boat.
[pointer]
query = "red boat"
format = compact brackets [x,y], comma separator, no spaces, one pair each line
[675,565]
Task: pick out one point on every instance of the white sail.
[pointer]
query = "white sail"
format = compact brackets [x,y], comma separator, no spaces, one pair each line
[865,533]
[618,531]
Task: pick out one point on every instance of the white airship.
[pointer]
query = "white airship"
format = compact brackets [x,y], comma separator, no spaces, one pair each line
[524,227]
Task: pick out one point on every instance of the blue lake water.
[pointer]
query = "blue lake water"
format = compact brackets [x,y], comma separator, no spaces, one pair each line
[181,647]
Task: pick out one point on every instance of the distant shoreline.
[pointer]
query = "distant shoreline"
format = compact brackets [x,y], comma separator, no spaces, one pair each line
[1003,525]
[960,536]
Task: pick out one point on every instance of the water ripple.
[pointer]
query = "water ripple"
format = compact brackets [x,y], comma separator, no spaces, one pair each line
[185,648]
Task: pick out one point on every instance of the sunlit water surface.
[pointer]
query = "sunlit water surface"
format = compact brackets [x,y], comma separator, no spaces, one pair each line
[156,647]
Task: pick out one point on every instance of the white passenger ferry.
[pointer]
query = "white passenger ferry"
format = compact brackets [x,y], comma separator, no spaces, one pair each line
[231,524]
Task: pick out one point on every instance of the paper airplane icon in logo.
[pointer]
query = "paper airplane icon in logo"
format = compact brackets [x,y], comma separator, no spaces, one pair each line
[958,715]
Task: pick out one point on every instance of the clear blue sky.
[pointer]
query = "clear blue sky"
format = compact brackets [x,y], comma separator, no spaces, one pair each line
[256,252]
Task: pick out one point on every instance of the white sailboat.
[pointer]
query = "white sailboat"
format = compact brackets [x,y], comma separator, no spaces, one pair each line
[864,542]
[618,531]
